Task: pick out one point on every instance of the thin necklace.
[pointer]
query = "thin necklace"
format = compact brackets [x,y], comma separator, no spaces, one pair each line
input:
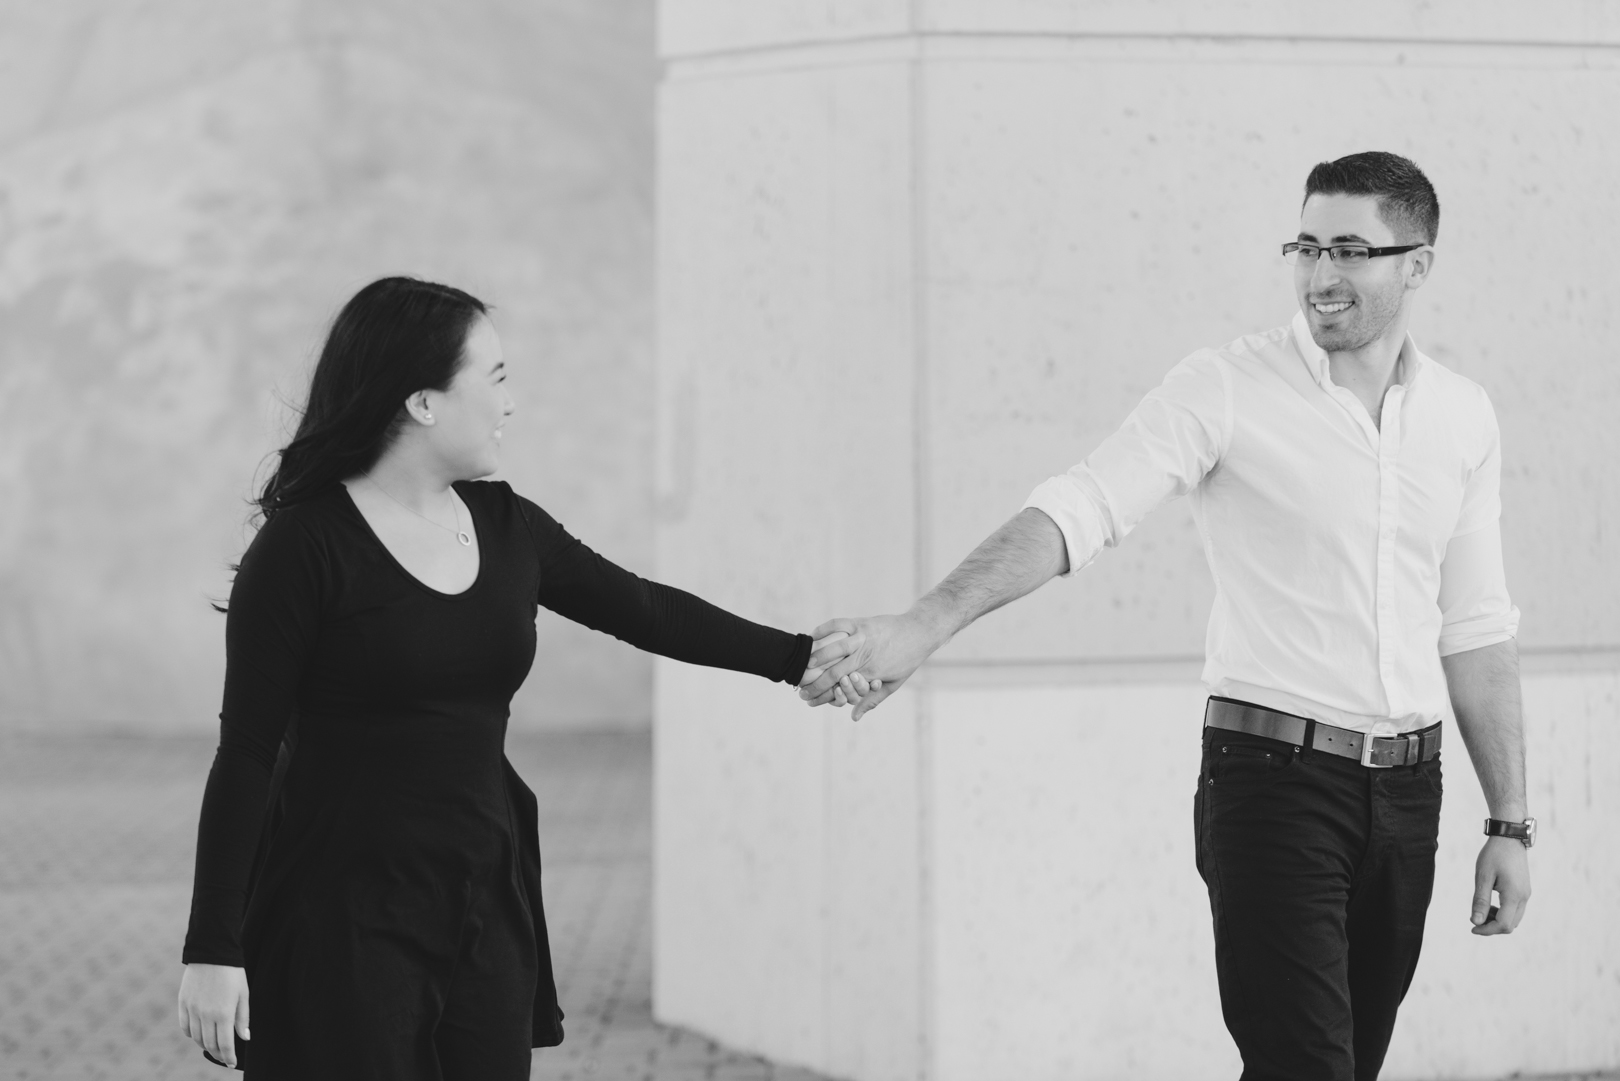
[461,534]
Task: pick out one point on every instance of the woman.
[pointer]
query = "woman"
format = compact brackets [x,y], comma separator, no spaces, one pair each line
[367,861]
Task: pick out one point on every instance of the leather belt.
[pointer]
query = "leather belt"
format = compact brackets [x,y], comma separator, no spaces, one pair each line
[1372,750]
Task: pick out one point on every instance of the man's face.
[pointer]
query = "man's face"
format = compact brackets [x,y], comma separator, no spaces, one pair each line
[1348,308]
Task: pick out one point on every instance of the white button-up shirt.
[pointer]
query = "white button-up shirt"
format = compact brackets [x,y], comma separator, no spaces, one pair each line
[1347,559]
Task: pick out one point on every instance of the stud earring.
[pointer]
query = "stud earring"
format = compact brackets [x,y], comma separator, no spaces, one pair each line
[427,416]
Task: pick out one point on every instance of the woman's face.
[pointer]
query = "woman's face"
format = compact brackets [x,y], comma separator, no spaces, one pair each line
[469,415]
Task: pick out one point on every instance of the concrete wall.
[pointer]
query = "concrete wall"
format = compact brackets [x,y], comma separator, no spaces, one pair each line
[916,257]
[188,191]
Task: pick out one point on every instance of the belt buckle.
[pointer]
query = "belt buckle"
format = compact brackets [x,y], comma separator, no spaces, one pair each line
[1380,730]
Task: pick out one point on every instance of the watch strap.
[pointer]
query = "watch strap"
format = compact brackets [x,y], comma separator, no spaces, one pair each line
[1520,831]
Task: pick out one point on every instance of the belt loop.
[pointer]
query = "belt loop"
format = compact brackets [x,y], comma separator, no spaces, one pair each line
[1309,744]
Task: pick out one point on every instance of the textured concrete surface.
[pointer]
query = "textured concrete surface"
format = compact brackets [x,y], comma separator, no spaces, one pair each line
[948,244]
[188,192]
[96,843]
[704,27]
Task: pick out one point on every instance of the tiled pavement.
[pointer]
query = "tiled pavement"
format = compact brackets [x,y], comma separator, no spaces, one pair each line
[96,839]
[96,842]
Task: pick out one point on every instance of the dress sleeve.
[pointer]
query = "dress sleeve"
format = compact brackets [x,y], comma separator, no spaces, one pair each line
[580,585]
[270,630]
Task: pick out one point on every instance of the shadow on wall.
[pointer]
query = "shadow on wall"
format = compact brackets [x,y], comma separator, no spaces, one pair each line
[188,192]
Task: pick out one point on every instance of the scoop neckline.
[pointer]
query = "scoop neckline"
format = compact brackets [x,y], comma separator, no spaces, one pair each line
[400,567]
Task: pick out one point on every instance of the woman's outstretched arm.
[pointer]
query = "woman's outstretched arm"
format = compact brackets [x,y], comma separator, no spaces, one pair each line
[581,585]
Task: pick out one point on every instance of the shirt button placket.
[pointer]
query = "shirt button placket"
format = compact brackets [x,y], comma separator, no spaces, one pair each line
[1389,447]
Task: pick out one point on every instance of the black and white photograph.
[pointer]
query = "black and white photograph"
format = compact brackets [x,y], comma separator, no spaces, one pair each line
[809,540]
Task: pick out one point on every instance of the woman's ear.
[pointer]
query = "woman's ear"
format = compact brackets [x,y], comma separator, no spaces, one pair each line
[417,406]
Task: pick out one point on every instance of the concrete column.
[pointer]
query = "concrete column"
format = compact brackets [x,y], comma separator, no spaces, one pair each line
[916,256]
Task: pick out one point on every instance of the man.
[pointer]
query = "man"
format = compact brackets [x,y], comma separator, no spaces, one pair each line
[1346,487]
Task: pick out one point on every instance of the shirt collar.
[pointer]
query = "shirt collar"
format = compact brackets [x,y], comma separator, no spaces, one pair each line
[1408,367]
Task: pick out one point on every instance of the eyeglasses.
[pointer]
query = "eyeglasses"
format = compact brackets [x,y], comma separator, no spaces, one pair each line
[1346,255]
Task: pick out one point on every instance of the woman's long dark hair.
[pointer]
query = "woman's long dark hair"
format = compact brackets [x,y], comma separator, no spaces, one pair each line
[393,338]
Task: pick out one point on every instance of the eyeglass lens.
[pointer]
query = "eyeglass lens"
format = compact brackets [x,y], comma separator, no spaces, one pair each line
[1342,255]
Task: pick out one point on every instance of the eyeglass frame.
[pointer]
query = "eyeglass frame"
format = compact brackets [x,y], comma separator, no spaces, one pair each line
[1294,247]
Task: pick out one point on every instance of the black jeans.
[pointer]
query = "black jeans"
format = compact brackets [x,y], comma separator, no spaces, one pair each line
[1319,872]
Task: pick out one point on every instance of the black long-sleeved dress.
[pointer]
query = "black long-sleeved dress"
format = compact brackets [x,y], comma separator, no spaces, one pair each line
[365,850]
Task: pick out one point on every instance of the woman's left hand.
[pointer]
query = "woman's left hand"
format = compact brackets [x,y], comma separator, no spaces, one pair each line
[849,690]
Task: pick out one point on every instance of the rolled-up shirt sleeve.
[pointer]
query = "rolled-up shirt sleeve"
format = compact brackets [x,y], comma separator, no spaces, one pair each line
[1475,610]
[1163,450]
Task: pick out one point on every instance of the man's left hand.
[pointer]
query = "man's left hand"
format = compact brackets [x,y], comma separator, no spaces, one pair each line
[1503,866]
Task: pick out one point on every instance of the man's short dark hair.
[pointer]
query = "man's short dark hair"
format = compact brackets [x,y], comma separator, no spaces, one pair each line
[1406,199]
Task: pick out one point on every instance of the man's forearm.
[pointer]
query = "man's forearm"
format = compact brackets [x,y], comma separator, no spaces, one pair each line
[1016,559]
[1484,685]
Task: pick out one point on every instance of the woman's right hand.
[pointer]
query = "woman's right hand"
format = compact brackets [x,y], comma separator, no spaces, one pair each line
[213,1004]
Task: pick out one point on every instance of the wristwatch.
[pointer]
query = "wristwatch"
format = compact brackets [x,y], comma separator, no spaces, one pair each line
[1524,832]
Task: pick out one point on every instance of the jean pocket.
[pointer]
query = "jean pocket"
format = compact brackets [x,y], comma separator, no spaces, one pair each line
[1236,763]
[1431,774]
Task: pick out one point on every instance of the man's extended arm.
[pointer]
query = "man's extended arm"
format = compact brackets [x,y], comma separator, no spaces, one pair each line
[1484,686]
[1016,559]
[1168,444]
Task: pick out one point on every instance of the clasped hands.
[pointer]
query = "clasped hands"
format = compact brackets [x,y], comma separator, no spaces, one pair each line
[860,662]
